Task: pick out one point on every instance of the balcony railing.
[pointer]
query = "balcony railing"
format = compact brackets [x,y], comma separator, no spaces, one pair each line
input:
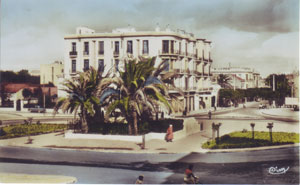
[85,53]
[73,53]
[169,53]
[116,53]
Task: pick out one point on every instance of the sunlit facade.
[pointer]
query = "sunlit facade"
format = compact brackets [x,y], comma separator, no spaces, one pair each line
[186,55]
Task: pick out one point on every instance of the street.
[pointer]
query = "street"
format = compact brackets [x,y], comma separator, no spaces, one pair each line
[97,167]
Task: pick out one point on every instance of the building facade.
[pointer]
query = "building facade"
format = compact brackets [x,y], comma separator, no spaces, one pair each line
[240,77]
[51,72]
[186,55]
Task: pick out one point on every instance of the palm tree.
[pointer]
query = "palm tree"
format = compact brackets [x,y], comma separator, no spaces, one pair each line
[81,96]
[138,90]
[223,81]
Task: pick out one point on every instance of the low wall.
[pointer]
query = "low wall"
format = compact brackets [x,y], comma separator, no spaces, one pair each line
[70,135]
[7,109]
[190,126]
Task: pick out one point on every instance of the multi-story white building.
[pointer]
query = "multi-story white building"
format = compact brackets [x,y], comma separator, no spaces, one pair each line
[240,77]
[51,72]
[188,56]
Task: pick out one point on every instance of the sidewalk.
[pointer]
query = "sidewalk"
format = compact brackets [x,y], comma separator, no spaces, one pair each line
[58,141]
[33,179]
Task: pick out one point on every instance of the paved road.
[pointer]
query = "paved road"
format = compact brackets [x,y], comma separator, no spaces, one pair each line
[93,167]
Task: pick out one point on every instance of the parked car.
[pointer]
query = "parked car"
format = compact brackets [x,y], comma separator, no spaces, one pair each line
[37,109]
[262,106]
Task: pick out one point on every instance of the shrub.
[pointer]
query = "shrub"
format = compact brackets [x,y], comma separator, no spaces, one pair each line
[244,140]
[29,129]
[159,126]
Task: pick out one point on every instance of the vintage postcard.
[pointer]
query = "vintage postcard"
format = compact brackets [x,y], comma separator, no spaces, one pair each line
[149,92]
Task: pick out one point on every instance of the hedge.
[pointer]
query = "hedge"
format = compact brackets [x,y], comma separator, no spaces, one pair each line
[159,126]
[29,129]
[244,140]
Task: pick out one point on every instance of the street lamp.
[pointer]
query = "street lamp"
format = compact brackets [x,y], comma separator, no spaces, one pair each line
[270,126]
[252,126]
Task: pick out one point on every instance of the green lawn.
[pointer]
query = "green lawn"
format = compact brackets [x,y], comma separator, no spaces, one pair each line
[244,140]
[29,129]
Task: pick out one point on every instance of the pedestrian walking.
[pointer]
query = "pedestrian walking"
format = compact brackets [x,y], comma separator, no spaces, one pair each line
[209,114]
[169,134]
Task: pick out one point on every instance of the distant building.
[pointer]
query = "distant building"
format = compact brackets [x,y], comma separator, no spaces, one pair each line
[240,77]
[34,72]
[188,56]
[51,72]
[293,80]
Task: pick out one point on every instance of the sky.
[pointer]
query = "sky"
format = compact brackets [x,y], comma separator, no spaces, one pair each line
[260,34]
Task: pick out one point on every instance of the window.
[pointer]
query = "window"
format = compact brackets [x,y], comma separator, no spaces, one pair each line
[73,66]
[186,48]
[145,47]
[73,46]
[86,65]
[117,64]
[165,46]
[167,65]
[101,65]
[101,47]
[117,46]
[129,46]
[179,47]
[86,48]
[172,46]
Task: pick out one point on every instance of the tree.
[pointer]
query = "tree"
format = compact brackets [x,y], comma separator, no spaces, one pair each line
[27,94]
[223,81]
[282,88]
[81,97]
[138,90]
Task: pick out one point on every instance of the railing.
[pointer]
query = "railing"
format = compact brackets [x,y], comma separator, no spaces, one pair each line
[85,53]
[171,53]
[116,53]
[73,53]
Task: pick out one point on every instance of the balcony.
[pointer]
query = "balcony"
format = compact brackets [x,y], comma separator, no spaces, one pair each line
[86,53]
[190,55]
[116,53]
[73,54]
[205,60]
[169,53]
[210,60]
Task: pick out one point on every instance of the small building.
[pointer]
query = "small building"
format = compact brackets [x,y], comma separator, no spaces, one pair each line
[14,93]
[50,73]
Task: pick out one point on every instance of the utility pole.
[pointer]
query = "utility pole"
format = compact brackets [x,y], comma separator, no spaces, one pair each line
[273,82]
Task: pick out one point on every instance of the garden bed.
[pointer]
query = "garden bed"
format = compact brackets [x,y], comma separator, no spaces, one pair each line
[159,126]
[21,130]
[244,140]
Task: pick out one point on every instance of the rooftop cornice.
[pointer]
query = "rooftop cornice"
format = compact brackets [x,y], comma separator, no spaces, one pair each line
[129,34]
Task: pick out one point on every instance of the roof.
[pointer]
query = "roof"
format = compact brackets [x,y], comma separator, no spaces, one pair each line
[15,87]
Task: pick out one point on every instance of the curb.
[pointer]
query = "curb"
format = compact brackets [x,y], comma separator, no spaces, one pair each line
[249,149]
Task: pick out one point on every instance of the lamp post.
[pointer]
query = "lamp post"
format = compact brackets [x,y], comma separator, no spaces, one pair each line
[270,126]
[218,131]
[252,126]
[213,127]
